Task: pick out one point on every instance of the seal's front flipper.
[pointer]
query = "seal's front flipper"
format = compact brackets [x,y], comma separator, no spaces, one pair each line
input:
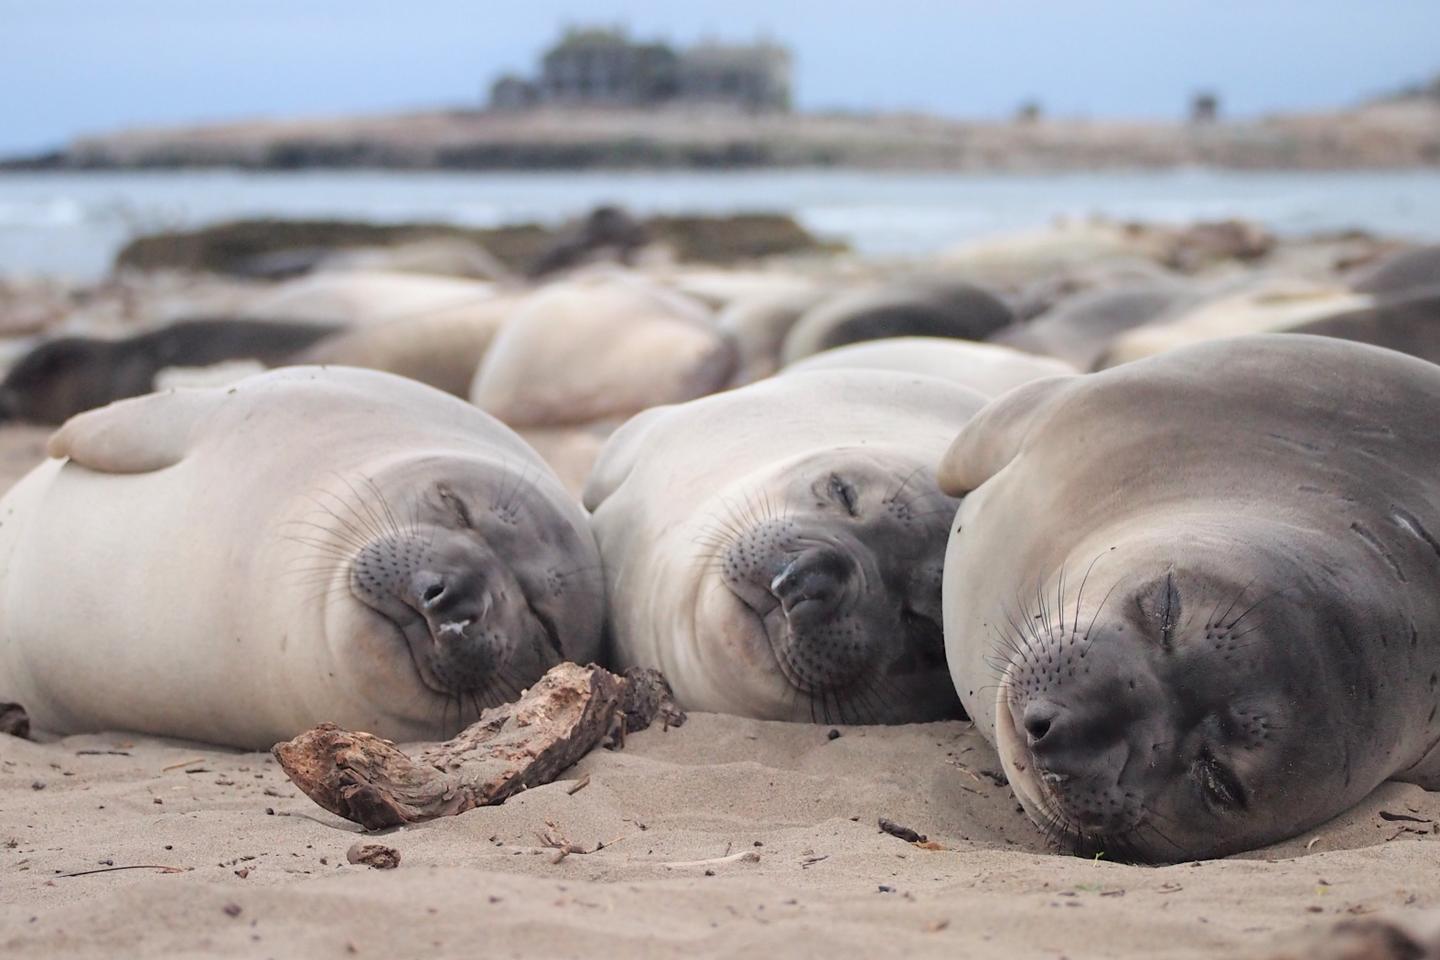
[997,433]
[136,435]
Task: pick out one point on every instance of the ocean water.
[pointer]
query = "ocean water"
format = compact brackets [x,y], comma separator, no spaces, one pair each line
[72,224]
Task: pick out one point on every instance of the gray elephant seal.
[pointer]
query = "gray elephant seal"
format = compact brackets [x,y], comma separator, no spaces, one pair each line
[1080,328]
[1407,322]
[1401,272]
[916,308]
[776,550]
[64,376]
[1191,600]
[236,565]
[986,368]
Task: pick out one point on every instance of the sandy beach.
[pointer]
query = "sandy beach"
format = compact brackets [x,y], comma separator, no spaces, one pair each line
[253,868]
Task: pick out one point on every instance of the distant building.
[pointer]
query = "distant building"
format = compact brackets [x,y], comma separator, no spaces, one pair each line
[602,67]
[1205,107]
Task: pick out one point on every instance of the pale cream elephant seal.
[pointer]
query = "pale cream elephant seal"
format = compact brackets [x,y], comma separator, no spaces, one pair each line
[776,550]
[597,348]
[235,565]
[986,368]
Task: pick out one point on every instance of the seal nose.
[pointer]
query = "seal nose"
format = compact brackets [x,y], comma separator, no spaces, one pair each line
[431,589]
[812,583]
[1039,721]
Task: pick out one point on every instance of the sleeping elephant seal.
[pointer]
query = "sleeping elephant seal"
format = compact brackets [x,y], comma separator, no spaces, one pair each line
[236,565]
[600,347]
[758,325]
[915,308]
[1408,322]
[1080,328]
[986,368]
[1261,305]
[1401,272]
[67,375]
[776,550]
[1192,600]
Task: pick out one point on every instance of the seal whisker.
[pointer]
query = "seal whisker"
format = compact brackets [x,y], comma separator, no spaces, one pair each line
[1233,600]
[378,517]
[362,513]
[1080,594]
[1268,597]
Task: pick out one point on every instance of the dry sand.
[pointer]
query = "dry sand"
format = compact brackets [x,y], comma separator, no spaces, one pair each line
[827,882]
[259,870]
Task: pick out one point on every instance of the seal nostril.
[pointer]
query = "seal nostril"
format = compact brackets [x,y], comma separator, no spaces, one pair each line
[433,593]
[1039,720]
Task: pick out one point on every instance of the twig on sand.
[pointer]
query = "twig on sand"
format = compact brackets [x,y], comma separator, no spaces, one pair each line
[511,748]
[552,838]
[578,785]
[747,856]
[904,833]
[139,866]
[183,763]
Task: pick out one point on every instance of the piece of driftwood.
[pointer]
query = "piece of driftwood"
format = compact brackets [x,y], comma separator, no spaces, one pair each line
[510,748]
[14,720]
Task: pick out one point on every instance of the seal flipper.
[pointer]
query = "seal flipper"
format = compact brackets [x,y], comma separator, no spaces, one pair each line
[993,437]
[136,435]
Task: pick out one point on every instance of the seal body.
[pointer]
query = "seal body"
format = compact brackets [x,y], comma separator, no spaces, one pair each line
[1408,322]
[67,375]
[1264,305]
[598,348]
[986,368]
[1192,600]
[236,565]
[1080,328]
[915,308]
[776,550]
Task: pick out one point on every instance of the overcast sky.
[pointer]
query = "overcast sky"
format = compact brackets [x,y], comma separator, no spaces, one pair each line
[77,66]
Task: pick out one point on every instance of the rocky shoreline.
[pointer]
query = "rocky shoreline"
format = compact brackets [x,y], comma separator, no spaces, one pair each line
[1398,134]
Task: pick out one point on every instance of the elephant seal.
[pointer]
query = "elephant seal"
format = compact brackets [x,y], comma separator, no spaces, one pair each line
[1400,272]
[64,376]
[442,349]
[986,368]
[1191,600]
[776,550]
[1080,328]
[235,565]
[758,325]
[1408,322]
[361,297]
[1264,305]
[599,347]
[916,308]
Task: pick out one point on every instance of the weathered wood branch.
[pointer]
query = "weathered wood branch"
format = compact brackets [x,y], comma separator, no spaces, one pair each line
[14,720]
[510,748]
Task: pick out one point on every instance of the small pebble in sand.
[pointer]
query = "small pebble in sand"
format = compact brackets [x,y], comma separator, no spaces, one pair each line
[375,855]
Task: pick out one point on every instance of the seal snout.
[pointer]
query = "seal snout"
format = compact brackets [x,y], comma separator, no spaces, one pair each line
[462,614]
[812,585]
